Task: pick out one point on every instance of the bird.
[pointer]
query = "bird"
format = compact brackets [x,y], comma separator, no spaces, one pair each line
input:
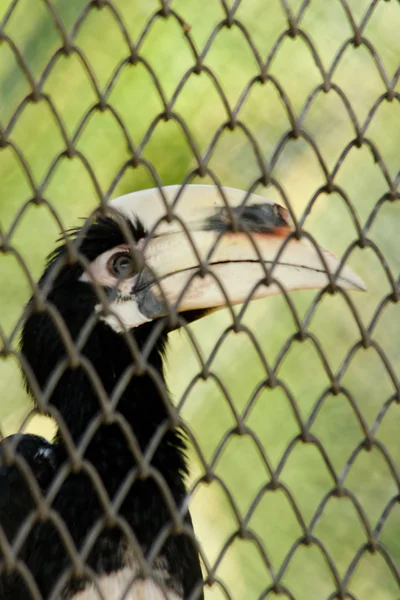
[101,512]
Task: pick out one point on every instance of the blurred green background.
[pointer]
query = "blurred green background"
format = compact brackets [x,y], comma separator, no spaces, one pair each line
[71,192]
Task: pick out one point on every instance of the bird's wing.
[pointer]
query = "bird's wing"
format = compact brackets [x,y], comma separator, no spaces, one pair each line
[16,498]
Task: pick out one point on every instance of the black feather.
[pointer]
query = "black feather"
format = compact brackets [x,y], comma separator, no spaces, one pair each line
[142,406]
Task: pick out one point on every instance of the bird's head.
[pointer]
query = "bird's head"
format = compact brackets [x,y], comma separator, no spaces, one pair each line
[176,251]
[187,249]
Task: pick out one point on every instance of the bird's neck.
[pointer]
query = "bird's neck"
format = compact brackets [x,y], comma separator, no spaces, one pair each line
[110,408]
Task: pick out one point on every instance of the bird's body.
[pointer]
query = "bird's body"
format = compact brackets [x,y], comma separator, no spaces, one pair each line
[78,502]
[115,523]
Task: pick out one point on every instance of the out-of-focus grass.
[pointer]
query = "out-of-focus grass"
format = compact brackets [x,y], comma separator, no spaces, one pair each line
[237,365]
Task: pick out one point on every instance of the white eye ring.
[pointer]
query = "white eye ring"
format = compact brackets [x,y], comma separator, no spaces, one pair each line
[122,265]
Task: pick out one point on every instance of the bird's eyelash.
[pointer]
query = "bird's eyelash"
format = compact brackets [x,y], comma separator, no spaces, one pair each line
[104,231]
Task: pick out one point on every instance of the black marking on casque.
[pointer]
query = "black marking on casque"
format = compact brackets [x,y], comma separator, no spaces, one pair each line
[255,218]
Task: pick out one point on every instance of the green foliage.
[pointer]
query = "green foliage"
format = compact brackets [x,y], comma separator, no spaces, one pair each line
[275,418]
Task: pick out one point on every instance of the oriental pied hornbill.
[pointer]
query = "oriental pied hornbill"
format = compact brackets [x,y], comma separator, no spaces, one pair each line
[115,299]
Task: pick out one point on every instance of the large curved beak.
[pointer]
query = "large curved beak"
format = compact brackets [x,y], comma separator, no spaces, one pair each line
[217,249]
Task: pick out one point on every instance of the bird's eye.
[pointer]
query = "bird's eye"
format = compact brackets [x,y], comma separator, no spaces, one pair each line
[122,265]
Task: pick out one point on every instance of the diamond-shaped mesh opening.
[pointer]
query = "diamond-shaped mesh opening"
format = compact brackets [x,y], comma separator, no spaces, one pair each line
[288,404]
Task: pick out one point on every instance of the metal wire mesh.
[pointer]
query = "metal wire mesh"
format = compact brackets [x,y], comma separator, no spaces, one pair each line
[306,511]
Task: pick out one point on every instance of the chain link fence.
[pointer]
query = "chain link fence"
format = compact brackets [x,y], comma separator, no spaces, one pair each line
[291,408]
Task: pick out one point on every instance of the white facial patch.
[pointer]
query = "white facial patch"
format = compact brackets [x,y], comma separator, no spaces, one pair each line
[123,312]
[122,585]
